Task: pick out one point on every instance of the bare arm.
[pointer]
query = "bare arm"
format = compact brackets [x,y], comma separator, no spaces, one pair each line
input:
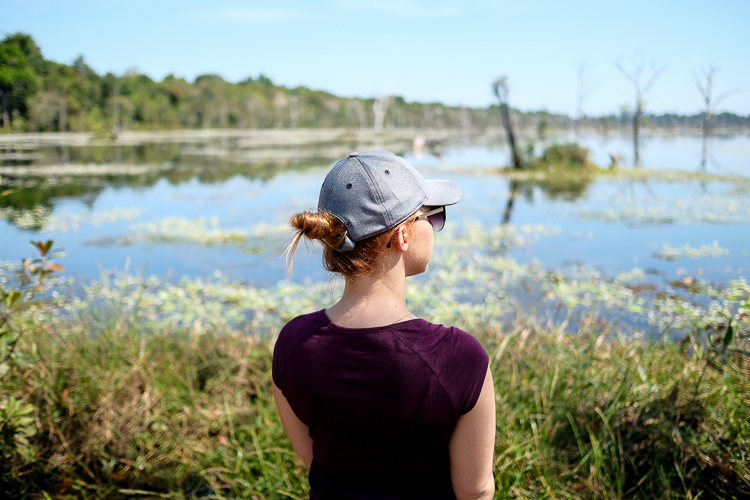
[298,432]
[472,446]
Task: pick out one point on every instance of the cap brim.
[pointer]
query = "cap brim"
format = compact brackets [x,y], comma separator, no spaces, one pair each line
[442,193]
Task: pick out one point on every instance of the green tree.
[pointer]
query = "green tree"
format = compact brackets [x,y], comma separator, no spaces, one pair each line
[17,80]
[30,49]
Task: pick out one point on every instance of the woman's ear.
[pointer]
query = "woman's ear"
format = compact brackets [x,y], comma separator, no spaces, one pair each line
[401,239]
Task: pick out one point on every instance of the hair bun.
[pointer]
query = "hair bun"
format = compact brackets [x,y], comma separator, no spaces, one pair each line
[319,226]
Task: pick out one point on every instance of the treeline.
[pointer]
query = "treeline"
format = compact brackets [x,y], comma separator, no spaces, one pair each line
[668,121]
[43,95]
[37,94]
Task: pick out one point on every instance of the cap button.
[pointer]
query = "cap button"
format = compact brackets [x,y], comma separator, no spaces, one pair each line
[352,154]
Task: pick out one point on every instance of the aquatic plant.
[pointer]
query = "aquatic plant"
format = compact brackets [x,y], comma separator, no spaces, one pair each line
[195,231]
[71,222]
[668,252]
[647,210]
[25,218]
[70,170]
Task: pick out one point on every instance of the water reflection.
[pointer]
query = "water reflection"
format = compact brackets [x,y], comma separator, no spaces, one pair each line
[563,188]
[112,202]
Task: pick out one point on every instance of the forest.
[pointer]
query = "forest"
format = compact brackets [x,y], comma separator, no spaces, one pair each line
[41,95]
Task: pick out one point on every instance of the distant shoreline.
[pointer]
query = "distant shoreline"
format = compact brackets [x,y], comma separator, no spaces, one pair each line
[286,137]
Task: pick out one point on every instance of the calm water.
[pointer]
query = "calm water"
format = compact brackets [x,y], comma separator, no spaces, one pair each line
[160,220]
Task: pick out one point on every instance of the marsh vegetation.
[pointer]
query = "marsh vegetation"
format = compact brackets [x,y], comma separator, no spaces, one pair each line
[613,304]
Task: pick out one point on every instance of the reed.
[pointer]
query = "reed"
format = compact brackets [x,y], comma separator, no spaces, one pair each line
[184,413]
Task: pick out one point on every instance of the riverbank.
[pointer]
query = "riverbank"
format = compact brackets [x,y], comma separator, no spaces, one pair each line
[299,136]
[187,413]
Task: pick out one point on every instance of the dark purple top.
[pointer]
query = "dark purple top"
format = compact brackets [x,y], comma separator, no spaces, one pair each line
[381,403]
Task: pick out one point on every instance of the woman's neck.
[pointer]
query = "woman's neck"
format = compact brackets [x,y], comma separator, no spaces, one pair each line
[371,301]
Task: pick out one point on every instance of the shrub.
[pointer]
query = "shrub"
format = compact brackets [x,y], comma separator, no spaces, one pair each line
[570,156]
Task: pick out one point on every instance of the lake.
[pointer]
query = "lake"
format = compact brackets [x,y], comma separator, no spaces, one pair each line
[213,206]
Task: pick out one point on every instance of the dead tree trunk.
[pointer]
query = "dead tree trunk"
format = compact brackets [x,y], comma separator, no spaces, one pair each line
[582,93]
[636,132]
[6,114]
[115,109]
[62,112]
[500,87]
[380,108]
[636,76]
[293,110]
[710,104]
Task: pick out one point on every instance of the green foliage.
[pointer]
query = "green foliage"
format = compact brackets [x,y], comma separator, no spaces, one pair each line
[124,405]
[30,49]
[51,96]
[171,413]
[16,427]
[17,298]
[563,171]
[591,416]
[17,80]
[568,156]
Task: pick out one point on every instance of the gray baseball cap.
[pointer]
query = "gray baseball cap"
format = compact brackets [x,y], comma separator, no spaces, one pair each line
[376,191]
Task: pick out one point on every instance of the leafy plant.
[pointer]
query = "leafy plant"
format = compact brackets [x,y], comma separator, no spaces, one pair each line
[565,156]
[16,424]
[21,296]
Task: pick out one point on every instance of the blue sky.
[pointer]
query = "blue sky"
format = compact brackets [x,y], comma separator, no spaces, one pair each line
[423,50]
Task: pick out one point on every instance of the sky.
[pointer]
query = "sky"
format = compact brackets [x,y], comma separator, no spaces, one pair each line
[555,54]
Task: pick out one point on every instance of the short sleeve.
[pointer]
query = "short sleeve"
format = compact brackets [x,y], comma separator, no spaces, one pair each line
[279,356]
[463,369]
[294,333]
[290,336]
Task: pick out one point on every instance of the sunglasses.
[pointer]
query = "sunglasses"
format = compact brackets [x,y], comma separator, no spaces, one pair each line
[435,217]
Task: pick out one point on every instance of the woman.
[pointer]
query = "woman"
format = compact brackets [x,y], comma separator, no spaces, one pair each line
[376,402]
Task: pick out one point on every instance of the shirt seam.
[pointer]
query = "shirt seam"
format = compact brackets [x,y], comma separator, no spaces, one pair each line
[429,365]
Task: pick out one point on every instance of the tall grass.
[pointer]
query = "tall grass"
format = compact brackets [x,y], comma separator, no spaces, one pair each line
[170,415]
[589,416]
[144,391]
[185,413]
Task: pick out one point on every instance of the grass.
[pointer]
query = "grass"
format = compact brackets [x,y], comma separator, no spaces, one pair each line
[606,387]
[169,415]
[127,408]
[588,416]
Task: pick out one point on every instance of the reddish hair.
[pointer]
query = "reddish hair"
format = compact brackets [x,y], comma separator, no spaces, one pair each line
[330,231]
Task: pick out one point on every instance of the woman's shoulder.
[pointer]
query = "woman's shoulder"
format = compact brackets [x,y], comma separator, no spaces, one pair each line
[307,320]
[436,337]
[302,325]
[458,360]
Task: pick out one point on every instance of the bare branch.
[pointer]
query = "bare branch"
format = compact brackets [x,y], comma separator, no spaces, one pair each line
[654,76]
[635,75]
[500,88]
[626,74]
[724,95]
[706,89]
[707,73]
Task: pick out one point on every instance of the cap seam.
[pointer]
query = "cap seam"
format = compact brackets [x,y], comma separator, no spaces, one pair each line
[377,191]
